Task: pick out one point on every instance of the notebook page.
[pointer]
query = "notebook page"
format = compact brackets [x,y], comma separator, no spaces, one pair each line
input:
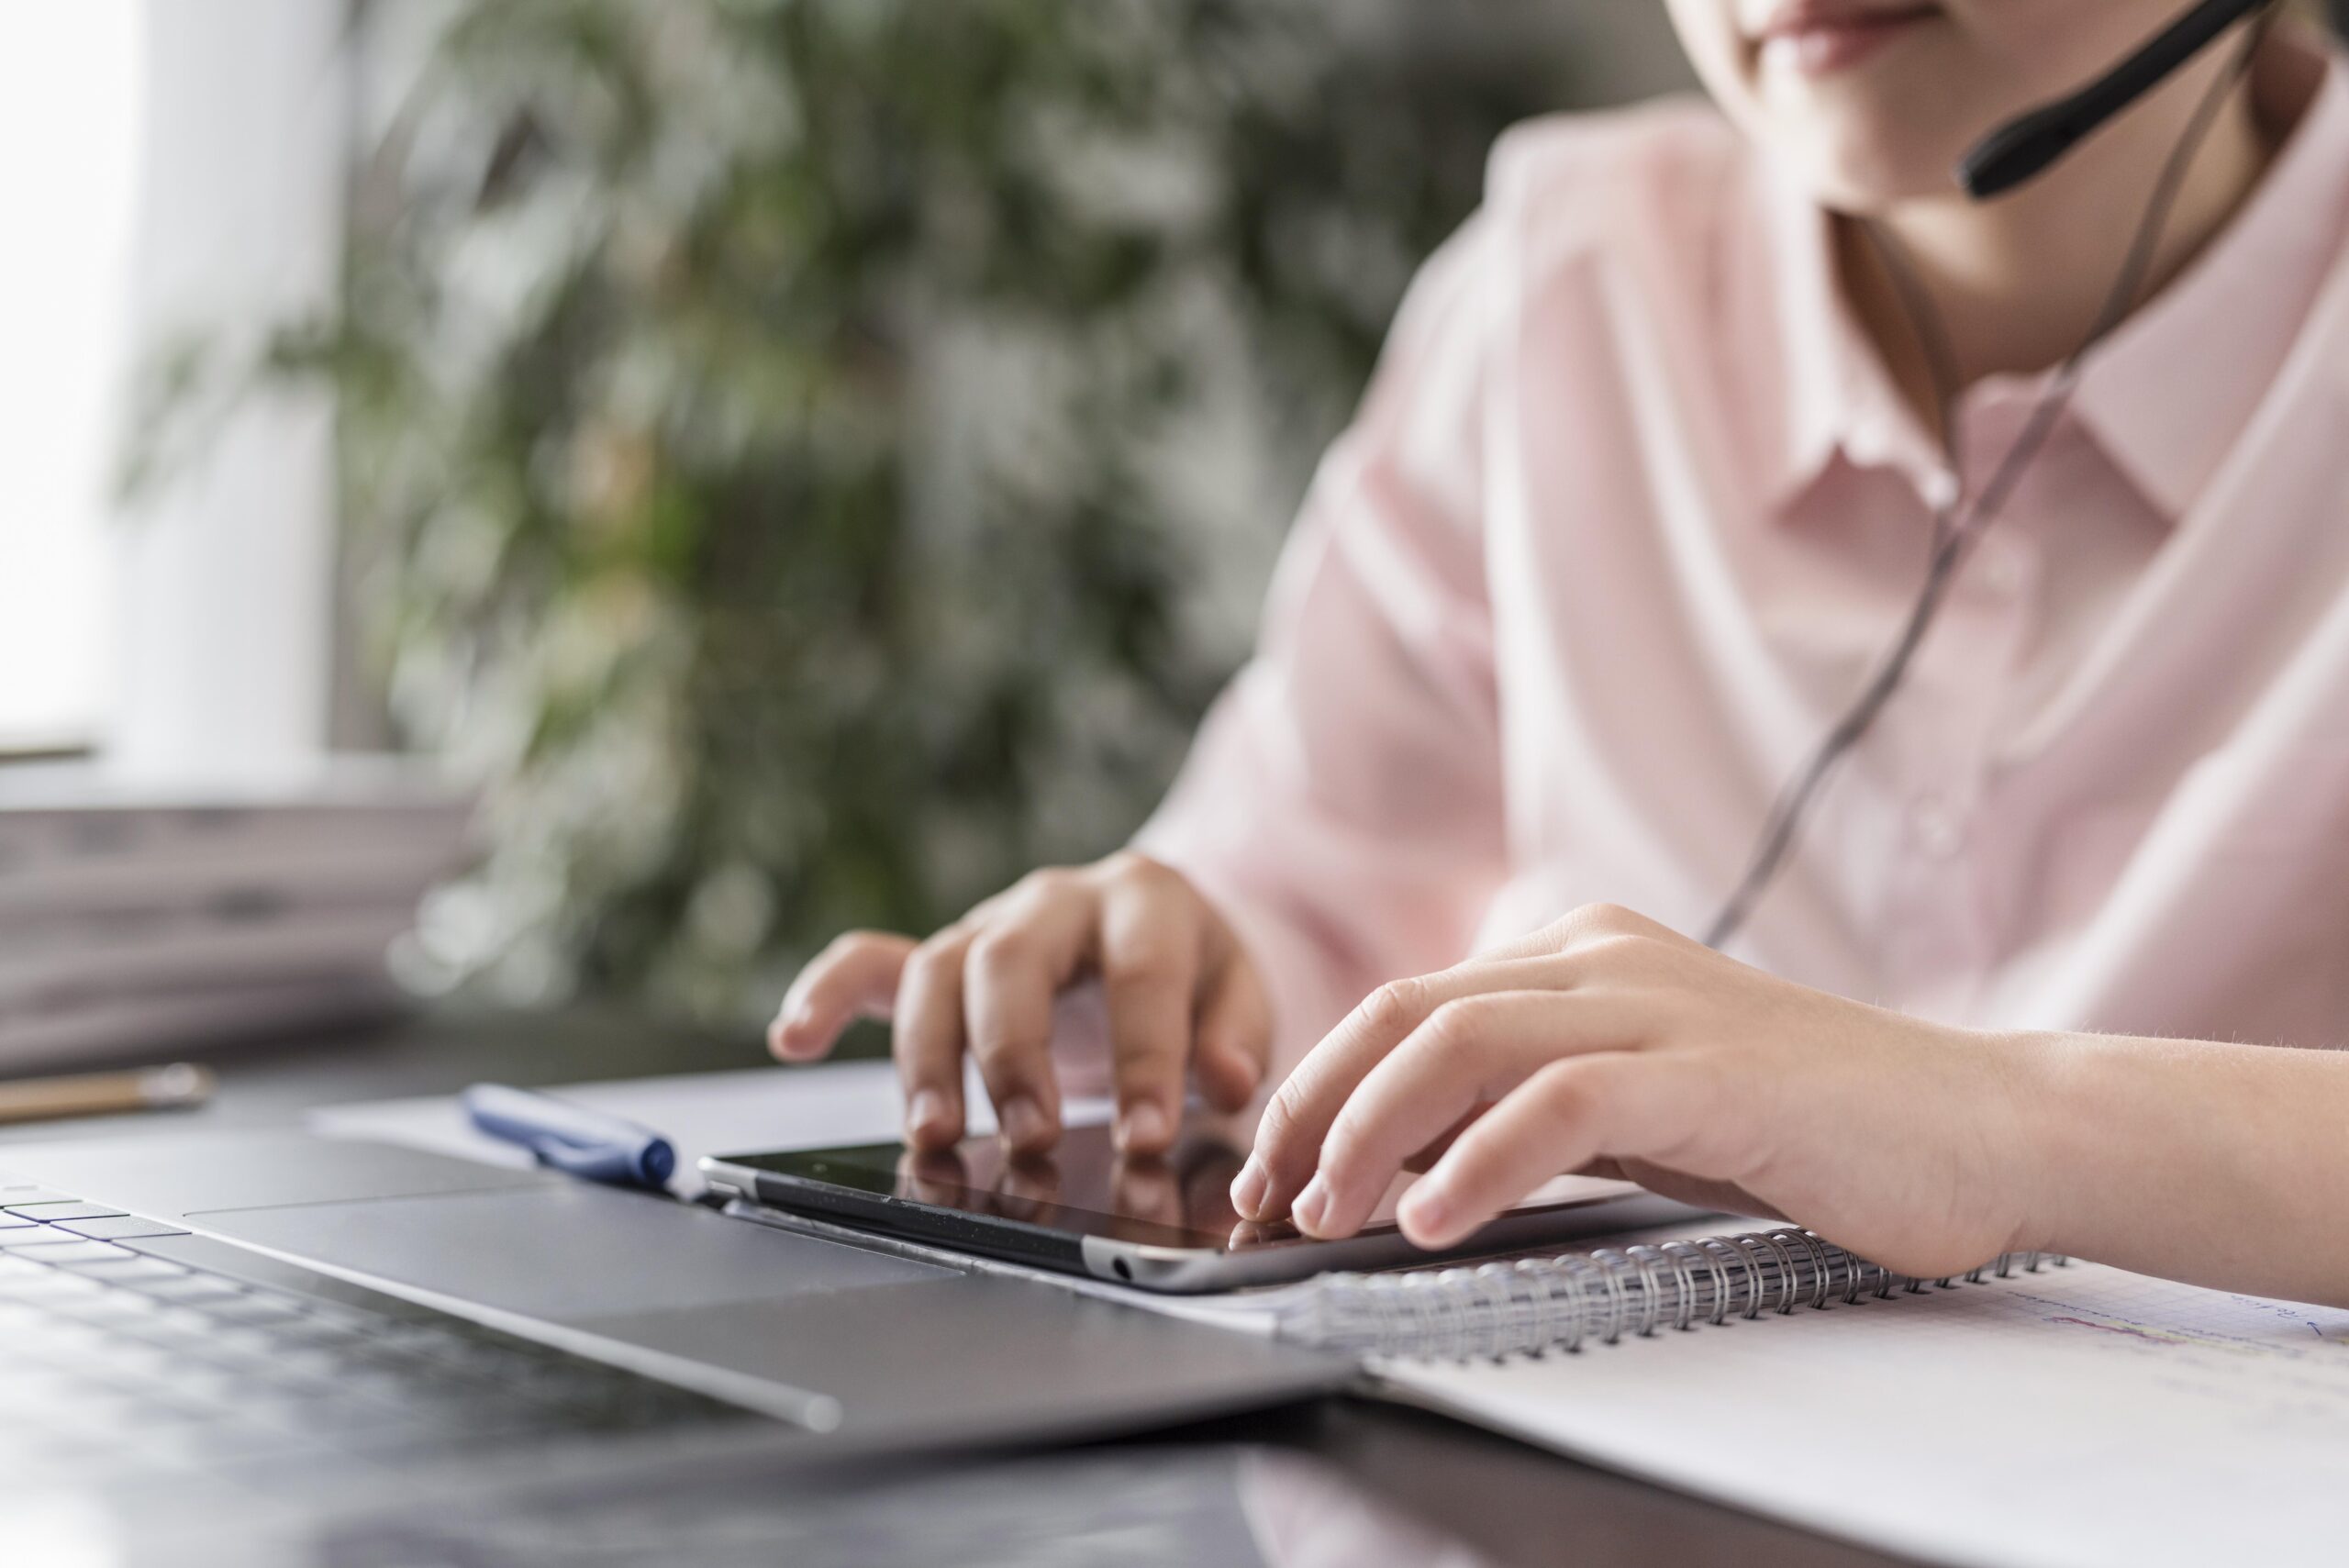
[2074,1415]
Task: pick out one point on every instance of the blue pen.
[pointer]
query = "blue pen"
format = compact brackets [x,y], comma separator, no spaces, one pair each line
[573,1139]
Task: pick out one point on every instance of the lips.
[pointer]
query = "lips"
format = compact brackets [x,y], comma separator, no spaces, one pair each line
[1818,37]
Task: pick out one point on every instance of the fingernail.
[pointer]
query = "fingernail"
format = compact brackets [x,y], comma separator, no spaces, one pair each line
[1311,1204]
[928,1113]
[1248,1188]
[1023,1124]
[1143,1126]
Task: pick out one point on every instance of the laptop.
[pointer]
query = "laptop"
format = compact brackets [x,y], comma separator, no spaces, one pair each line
[221,1314]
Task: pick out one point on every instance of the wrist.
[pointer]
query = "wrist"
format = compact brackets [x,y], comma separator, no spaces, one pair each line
[2062,1096]
[2190,1160]
[2041,1073]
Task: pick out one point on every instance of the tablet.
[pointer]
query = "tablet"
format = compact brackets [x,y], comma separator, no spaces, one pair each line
[1164,1223]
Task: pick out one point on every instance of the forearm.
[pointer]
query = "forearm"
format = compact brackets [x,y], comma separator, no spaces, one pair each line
[2227,1165]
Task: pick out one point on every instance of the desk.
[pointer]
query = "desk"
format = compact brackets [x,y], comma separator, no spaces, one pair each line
[1505,1502]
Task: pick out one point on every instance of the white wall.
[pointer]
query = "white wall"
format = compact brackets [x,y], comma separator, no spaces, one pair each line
[70,100]
[223,588]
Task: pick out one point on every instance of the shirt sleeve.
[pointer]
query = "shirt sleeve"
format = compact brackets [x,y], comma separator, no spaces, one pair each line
[1342,807]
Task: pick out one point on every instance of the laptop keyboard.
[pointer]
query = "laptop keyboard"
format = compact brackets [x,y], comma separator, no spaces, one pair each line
[122,1358]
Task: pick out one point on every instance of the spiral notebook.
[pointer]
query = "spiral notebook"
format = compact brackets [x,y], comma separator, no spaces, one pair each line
[1676,1277]
[2036,1411]
[1530,1306]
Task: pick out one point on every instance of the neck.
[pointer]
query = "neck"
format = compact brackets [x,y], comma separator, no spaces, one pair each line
[2018,282]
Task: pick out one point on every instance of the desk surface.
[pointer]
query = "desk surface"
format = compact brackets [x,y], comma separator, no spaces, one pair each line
[1503,1502]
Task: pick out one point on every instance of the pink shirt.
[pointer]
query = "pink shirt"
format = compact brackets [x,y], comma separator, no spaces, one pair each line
[1631,508]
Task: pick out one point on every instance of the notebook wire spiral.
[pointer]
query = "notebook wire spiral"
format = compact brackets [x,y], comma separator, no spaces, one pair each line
[1533,1305]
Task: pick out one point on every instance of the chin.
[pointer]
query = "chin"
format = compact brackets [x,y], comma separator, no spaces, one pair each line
[1860,172]
[1887,131]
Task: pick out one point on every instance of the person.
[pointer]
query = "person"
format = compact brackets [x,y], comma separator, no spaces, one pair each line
[1645,483]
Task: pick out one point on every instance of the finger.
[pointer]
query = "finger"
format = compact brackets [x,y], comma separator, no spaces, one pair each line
[1620,1104]
[1150,963]
[855,976]
[1423,1160]
[1233,1045]
[1014,968]
[929,1041]
[1289,1137]
[1470,1051]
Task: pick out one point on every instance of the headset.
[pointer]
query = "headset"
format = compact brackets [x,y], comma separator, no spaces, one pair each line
[2027,146]
[2013,155]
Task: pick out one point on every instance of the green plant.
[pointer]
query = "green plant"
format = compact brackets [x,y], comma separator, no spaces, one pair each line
[754,420]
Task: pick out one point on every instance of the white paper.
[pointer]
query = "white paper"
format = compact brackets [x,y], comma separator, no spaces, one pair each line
[2077,1416]
[701,1113]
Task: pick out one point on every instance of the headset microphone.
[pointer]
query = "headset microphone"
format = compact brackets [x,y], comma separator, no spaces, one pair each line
[2022,148]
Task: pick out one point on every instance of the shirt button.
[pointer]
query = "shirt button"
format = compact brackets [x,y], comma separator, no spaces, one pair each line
[1940,832]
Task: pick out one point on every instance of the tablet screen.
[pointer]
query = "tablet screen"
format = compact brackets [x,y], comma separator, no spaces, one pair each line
[1084,1186]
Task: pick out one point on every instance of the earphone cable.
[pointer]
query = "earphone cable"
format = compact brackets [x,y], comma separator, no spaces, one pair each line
[1959,527]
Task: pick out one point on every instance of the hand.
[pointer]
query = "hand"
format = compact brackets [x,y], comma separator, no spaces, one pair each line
[1182,1001]
[1609,1044]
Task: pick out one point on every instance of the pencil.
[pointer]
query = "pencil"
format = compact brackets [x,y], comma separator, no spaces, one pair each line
[181,1084]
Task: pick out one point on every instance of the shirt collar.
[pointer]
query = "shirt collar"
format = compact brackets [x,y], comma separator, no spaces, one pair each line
[2167,395]
[2170,392]
[1837,397]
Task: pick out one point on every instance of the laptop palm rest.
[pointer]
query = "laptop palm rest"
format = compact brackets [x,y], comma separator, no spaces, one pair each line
[568,1254]
[898,1351]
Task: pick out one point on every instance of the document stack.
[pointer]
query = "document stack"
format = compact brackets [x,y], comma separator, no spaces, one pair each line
[138,918]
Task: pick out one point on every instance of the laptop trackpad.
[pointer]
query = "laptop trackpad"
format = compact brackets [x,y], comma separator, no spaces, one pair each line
[565,1253]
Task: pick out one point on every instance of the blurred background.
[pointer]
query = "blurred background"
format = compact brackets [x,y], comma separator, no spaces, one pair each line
[760,466]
